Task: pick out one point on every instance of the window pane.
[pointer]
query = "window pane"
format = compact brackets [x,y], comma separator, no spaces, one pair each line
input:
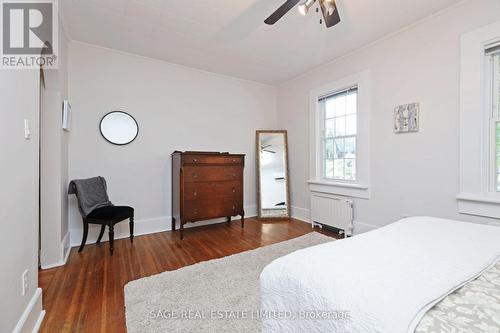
[352,101]
[340,126]
[350,169]
[338,169]
[351,126]
[329,148]
[496,104]
[350,147]
[330,128]
[339,142]
[328,169]
[330,108]
[340,105]
[339,148]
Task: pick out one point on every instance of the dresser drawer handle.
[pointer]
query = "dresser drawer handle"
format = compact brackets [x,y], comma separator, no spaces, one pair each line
[195,212]
[195,160]
[234,190]
[195,175]
[235,160]
[195,193]
[234,207]
[234,174]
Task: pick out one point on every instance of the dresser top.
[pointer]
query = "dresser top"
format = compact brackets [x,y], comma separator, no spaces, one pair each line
[213,153]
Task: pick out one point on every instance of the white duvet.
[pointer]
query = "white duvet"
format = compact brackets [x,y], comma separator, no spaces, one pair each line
[381,281]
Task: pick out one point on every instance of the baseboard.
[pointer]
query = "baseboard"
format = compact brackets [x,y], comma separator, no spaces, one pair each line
[39,321]
[144,227]
[302,214]
[65,249]
[360,227]
[32,317]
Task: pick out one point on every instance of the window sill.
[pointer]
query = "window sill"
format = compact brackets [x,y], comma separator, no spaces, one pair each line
[339,188]
[478,205]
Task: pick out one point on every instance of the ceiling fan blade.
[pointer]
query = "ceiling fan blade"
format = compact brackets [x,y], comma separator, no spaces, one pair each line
[331,18]
[281,11]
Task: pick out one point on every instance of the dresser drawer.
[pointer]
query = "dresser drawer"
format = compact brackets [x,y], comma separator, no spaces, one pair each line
[207,190]
[199,210]
[231,207]
[211,208]
[212,159]
[211,173]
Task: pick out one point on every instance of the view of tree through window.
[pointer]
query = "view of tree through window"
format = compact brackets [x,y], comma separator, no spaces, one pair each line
[340,131]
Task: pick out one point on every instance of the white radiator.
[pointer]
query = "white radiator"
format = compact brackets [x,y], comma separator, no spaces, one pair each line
[332,211]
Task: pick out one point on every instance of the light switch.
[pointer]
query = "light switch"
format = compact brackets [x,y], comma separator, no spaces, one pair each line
[27,130]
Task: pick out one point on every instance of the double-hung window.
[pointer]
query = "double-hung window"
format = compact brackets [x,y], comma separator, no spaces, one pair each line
[340,137]
[339,134]
[493,75]
[480,122]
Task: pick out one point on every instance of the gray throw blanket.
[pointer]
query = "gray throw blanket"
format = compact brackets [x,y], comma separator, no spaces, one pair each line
[91,194]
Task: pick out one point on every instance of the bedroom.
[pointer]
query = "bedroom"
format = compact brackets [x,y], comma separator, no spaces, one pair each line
[205,77]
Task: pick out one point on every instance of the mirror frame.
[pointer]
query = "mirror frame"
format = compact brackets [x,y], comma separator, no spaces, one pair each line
[287,173]
[118,144]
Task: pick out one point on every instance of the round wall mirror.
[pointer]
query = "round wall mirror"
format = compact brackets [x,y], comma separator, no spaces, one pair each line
[119,128]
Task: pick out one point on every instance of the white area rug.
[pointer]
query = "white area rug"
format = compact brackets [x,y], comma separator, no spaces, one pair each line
[220,295]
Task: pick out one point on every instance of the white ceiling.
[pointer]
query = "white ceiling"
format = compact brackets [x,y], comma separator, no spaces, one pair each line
[229,36]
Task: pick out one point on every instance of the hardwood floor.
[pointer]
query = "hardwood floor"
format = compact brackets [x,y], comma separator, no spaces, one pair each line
[86,295]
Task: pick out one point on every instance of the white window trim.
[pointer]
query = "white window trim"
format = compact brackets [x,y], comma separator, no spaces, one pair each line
[476,196]
[360,188]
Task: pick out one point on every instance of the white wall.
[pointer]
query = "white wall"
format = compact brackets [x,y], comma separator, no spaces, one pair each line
[54,162]
[411,174]
[18,199]
[177,108]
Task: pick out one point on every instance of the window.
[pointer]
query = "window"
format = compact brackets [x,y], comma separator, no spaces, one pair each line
[339,129]
[480,122]
[493,76]
[340,114]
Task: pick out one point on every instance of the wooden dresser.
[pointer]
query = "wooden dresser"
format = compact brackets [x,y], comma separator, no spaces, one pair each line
[206,185]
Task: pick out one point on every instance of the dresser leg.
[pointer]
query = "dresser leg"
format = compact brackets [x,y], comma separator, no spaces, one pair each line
[182,230]
[243,220]
[173,223]
[228,220]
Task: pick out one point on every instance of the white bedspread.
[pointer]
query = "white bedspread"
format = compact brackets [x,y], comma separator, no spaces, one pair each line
[385,279]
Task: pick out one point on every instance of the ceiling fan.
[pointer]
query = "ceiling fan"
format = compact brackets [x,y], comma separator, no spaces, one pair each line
[328,8]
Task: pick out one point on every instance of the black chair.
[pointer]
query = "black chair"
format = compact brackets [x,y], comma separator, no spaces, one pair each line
[92,192]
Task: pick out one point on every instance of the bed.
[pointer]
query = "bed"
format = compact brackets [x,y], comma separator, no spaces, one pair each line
[419,274]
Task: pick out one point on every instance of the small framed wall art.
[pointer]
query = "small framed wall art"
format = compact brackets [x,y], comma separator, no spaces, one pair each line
[406,118]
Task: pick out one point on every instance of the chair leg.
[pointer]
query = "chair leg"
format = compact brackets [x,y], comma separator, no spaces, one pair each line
[101,233]
[131,225]
[85,233]
[111,238]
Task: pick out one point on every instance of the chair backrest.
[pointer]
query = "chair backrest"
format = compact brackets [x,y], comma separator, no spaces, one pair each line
[91,194]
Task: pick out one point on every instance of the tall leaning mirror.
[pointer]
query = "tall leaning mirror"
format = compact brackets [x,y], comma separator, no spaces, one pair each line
[273,196]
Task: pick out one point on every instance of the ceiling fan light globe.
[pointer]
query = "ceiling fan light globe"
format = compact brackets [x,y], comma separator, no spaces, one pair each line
[303,9]
[305,6]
